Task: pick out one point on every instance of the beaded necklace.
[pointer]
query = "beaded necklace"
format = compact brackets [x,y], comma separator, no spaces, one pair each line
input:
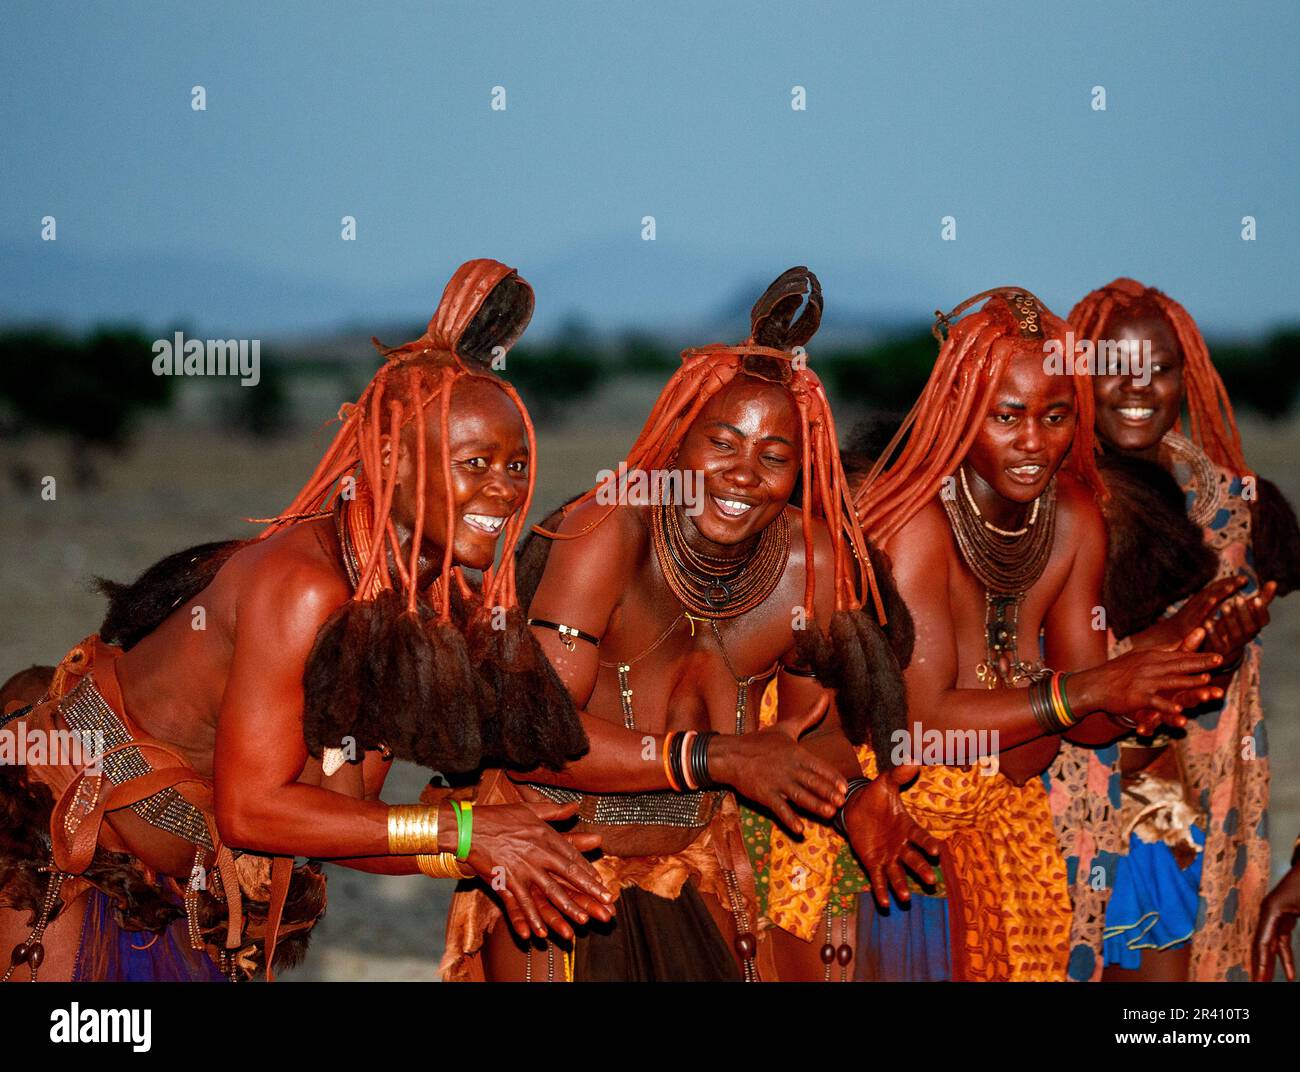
[712,586]
[1007,564]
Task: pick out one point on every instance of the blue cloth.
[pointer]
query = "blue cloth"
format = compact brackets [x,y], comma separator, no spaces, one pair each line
[1153,903]
[904,944]
[110,953]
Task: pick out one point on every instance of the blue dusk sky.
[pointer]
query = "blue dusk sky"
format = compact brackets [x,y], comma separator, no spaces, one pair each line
[229,218]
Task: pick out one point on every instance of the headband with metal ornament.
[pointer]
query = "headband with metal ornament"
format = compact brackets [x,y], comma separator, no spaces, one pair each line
[1025,307]
[938,430]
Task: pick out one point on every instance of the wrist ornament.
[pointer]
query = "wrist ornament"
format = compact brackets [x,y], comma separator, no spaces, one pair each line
[856,785]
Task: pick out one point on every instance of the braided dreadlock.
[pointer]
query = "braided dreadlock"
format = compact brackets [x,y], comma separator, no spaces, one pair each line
[1212,425]
[942,426]
[856,658]
[430,674]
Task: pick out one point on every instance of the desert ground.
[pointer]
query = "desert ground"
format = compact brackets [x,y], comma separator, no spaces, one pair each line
[184,481]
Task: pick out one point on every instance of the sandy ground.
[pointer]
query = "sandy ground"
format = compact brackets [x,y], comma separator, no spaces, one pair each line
[181,485]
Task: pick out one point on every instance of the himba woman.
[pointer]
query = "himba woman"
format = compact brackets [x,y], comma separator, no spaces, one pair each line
[665,623]
[347,630]
[985,501]
[1191,833]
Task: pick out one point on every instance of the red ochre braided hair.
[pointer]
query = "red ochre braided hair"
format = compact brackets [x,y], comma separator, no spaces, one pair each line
[1211,423]
[943,424]
[856,658]
[1213,427]
[449,677]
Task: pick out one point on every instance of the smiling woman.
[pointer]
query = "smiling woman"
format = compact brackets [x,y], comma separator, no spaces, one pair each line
[667,625]
[1189,844]
[985,499]
[347,630]
[461,481]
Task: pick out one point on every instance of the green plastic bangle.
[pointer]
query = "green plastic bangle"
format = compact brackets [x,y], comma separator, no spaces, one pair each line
[1066,699]
[464,827]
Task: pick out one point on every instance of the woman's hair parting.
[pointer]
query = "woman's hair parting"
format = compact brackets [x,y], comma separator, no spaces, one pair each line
[856,652]
[930,443]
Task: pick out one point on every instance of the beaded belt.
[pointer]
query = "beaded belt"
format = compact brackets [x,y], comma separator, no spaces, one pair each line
[87,712]
[689,810]
[15,714]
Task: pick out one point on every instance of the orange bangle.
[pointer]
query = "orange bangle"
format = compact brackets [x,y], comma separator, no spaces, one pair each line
[668,767]
[1063,713]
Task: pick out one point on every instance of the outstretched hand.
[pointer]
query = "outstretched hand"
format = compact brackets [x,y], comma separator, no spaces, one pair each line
[1151,719]
[1237,621]
[1193,614]
[886,839]
[1277,920]
[539,873]
[1150,685]
[772,769]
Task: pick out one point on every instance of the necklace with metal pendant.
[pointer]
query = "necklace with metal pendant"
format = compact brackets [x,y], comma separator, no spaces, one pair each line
[713,586]
[1007,564]
[742,684]
[625,670]
[1002,665]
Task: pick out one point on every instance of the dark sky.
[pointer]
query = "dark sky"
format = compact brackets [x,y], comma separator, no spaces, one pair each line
[229,218]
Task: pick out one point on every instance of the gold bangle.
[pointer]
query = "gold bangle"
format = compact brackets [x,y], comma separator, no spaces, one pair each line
[440,865]
[412,828]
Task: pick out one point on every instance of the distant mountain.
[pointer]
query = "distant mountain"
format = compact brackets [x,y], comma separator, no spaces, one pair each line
[208,294]
[685,297]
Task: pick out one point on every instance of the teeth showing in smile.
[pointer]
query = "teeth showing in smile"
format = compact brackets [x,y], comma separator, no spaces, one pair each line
[485,523]
[1026,470]
[1136,413]
[732,508]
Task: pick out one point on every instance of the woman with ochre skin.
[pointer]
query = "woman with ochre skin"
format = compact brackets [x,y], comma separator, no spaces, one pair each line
[1209,861]
[235,707]
[992,431]
[738,416]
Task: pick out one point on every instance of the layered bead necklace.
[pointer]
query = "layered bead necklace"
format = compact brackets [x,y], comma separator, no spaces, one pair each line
[1007,563]
[714,586]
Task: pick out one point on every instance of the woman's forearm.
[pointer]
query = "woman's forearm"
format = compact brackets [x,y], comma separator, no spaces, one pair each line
[618,760]
[303,820]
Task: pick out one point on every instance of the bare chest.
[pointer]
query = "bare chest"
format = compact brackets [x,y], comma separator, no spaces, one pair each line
[663,668]
[999,636]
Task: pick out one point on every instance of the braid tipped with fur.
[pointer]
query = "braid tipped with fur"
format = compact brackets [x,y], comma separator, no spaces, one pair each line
[853,652]
[447,676]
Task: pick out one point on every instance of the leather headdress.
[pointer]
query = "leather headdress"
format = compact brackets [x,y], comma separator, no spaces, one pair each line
[484,309]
